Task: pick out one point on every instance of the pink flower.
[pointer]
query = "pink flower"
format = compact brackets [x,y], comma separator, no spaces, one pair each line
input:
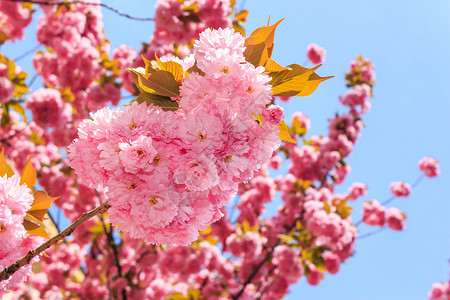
[6,89]
[48,108]
[137,155]
[332,262]
[198,174]
[395,219]
[374,213]
[316,54]
[273,115]
[314,276]
[357,190]
[429,166]
[400,189]
[439,291]
[300,123]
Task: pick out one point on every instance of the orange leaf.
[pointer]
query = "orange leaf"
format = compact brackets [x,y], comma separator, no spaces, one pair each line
[28,175]
[4,167]
[284,133]
[41,200]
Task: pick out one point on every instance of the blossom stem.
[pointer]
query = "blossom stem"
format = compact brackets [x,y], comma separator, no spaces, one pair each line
[8,271]
[392,198]
[106,6]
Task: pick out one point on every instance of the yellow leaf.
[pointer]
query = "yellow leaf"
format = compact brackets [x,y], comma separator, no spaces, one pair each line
[264,34]
[257,54]
[259,119]
[159,82]
[42,200]
[286,238]
[192,8]
[30,218]
[241,16]
[290,82]
[206,231]
[173,67]
[273,66]
[238,28]
[195,69]
[39,232]
[311,85]
[35,229]
[259,45]
[28,175]
[284,133]
[161,101]
[150,65]
[4,167]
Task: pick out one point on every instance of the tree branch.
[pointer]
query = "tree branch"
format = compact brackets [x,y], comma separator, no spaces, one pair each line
[106,6]
[8,271]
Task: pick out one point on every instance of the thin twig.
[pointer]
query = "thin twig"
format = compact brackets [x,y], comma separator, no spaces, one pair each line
[28,52]
[112,245]
[61,3]
[266,259]
[8,271]
[363,236]
[392,198]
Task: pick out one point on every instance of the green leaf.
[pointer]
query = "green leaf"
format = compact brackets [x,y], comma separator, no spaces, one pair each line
[162,101]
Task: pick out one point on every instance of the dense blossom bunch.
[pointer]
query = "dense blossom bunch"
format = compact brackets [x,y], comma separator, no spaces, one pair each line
[75,64]
[316,54]
[168,173]
[362,71]
[14,17]
[429,166]
[440,291]
[6,86]
[181,21]
[15,201]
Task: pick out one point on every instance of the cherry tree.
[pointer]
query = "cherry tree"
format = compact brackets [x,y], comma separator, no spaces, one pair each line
[166,194]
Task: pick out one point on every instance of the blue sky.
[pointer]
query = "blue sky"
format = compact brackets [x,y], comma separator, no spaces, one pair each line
[409,42]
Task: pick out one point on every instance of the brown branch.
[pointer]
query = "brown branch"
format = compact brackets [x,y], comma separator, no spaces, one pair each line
[8,271]
[113,246]
[106,6]
[266,259]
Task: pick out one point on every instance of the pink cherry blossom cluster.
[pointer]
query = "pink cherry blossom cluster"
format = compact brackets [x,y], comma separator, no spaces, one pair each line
[177,25]
[75,66]
[181,21]
[169,173]
[375,214]
[14,17]
[440,291]
[316,54]
[6,86]
[362,71]
[48,109]
[15,201]
[429,166]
